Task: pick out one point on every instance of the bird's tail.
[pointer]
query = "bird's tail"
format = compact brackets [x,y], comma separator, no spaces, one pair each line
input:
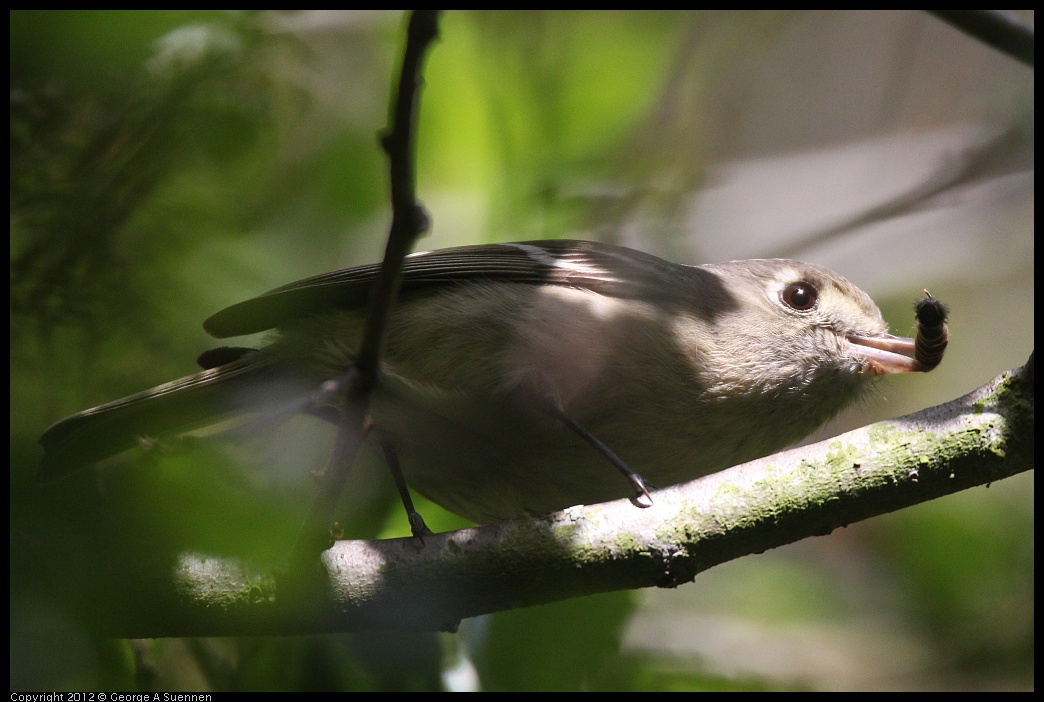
[254,383]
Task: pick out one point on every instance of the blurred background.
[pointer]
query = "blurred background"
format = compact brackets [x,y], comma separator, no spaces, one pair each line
[167,164]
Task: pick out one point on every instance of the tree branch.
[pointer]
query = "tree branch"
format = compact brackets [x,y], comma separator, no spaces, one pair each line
[408,584]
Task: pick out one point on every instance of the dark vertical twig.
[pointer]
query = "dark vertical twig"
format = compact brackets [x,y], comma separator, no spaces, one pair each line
[408,216]
[408,221]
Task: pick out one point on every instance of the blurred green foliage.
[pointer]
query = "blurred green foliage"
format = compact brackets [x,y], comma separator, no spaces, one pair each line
[167,163]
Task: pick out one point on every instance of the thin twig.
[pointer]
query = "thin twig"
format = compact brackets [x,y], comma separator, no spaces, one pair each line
[408,217]
[1002,29]
[974,165]
[408,221]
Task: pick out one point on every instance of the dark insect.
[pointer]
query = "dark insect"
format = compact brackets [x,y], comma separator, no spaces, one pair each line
[932,331]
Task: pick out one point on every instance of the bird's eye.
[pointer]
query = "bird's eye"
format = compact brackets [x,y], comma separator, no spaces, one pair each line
[800,296]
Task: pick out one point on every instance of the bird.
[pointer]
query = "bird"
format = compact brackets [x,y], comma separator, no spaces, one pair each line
[514,376]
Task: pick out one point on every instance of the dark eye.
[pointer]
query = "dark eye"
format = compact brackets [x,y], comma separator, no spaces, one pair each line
[799,296]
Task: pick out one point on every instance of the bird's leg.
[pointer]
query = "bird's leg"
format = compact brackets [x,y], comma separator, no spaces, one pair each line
[641,485]
[391,457]
[317,403]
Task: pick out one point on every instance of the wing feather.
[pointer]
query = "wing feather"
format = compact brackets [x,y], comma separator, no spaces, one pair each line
[606,269]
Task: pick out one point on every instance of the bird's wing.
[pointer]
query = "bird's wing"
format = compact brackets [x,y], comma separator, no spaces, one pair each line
[606,269]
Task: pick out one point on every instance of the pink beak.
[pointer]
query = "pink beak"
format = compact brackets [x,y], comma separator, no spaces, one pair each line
[885,354]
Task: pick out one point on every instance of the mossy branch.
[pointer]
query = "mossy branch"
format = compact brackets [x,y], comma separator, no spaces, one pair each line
[411,584]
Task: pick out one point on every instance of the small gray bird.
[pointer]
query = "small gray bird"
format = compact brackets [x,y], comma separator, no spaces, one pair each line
[505,365]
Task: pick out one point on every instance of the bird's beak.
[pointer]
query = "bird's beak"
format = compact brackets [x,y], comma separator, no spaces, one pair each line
[884,354]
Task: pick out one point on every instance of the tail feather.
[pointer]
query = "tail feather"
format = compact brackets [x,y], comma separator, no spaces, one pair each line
[250,384]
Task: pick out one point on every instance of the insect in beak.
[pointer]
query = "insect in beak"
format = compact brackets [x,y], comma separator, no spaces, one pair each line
[896,354]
